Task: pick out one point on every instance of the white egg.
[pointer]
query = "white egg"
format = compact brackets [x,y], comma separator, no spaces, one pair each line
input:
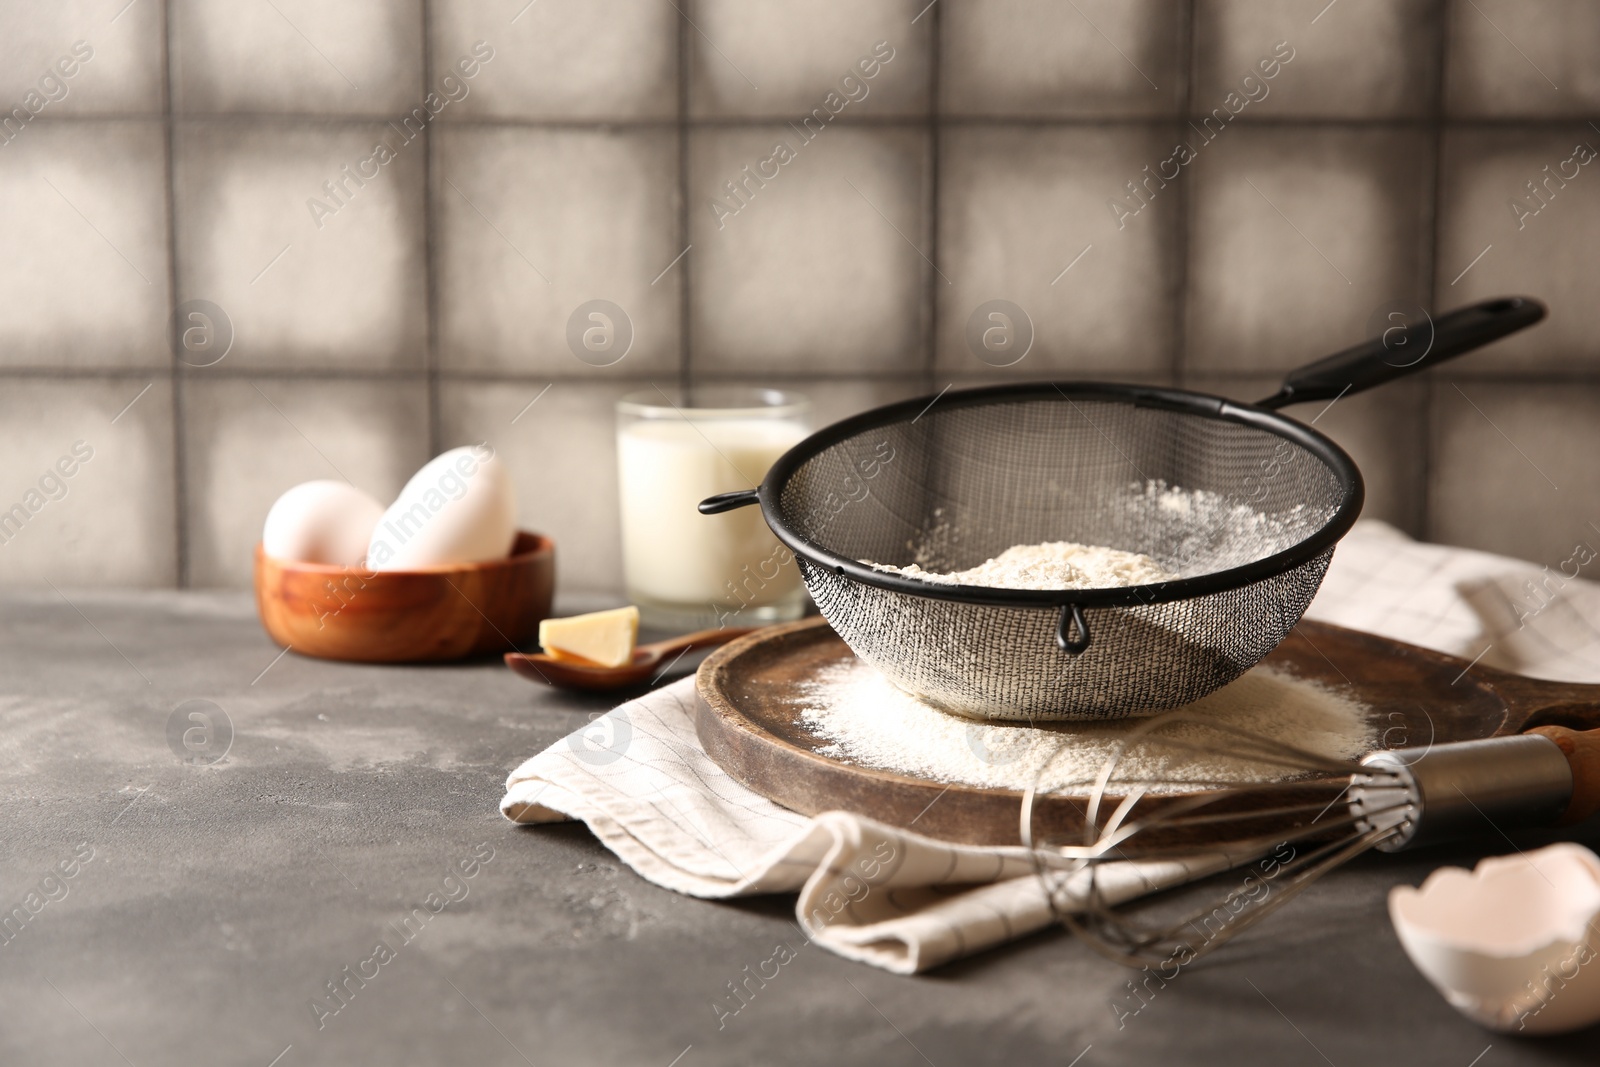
[1513,944]
[321,522]
[459,508]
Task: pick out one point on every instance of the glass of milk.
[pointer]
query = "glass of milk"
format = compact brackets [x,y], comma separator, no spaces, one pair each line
[685,570]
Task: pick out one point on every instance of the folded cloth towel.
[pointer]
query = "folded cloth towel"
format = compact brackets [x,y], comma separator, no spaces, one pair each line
[904,902]
[870,892]
[1540,621]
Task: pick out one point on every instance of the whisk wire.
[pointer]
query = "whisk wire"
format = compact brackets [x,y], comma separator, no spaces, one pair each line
[1247,745]
[1118,937]
[1289,814]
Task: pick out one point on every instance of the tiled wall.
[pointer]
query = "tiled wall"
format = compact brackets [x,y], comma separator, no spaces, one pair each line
[427,306]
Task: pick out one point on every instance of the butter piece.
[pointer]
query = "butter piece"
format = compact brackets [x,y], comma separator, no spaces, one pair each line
[603,638]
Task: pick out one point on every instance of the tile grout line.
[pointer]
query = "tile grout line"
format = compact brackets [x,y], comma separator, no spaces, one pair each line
[182,565]
[685,295]
[385,375]
[1430,278]
[1183,238]
[935,164]
[1574,376]
[362,120]
[430,250]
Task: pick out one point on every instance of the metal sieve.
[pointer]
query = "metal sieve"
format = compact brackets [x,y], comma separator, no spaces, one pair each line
[1245,505]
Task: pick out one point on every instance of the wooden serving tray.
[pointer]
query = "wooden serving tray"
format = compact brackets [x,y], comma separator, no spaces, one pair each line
[750,693]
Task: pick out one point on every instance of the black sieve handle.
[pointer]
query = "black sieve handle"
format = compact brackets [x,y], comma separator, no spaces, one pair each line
[739,498]
[1406,349]
[1072,619]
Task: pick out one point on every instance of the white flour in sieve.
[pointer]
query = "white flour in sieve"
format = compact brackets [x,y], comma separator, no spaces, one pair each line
[1050,565]
[867,721]
[1198,531]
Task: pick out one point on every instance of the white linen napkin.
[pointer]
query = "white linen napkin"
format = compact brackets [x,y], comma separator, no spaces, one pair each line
[905,902]
[1542,621]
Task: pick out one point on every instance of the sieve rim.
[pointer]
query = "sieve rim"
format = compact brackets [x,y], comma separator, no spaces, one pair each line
[1184,401]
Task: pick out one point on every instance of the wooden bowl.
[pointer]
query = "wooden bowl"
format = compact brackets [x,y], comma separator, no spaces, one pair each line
[441,613]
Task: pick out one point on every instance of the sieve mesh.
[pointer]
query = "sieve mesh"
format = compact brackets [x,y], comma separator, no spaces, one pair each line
[955,486]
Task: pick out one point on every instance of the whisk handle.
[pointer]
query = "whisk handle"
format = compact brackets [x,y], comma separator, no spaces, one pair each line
[1546,776]
[1460,789]
[1582,749]
[1406,349]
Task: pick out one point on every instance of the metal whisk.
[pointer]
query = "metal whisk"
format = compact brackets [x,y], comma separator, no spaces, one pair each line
[1288,832]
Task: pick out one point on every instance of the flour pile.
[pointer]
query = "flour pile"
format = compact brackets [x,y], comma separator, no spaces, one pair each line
[1050,565]
[1190,531]
[867,721]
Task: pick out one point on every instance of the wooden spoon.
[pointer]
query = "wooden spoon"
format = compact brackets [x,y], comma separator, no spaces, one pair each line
[564,674]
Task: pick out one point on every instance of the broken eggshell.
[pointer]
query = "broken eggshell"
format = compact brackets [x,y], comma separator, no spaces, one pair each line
[1513,944]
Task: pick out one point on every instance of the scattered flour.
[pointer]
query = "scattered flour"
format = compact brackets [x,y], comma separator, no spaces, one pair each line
[867,721]
[1050,565]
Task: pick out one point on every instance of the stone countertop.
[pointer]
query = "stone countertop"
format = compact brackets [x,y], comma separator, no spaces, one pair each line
[209,907]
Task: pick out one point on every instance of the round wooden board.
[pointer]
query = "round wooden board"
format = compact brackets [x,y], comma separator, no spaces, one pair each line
[750,696]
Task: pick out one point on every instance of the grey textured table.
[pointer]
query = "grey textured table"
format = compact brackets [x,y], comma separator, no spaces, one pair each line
[220,901]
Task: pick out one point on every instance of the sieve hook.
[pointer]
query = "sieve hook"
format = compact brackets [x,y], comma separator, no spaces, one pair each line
[1072,619]
[739,498]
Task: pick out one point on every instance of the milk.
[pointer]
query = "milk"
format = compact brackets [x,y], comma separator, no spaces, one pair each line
[728,568]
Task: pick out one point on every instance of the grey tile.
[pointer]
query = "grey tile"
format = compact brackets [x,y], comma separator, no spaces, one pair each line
[840,398]
[83,208]
[112,520]
[1359,59]
[1385,432]
[1019,373]
[1513,468]
[783,58]
[600,59]
[833,399]
[1498,237]
[1523,57]
[357,57]
[562,456]
[1024,218]
[1038,57]
[1298,237]
[81,57]
[822,269]
[533,224]
[247,441]
[304,287]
